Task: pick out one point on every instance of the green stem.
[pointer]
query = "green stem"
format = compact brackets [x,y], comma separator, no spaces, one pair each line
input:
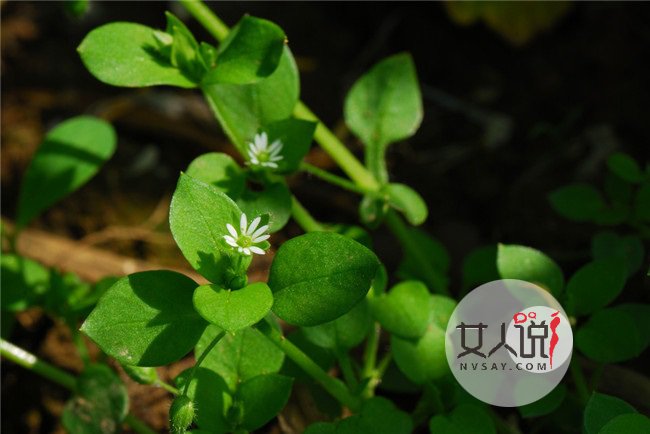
[333,386]
[217,28]
[304,218]
[201,358]
[370,352]
[338,151]
[579,380]
[168,387]
[346,368]
[333,179]
[411,245]
[31,362]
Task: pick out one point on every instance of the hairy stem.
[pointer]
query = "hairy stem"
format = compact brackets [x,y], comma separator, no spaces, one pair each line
[333,386]
[201,358]
[31,362]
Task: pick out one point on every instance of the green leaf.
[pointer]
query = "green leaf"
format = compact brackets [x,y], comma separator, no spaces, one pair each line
[250,53]
[239,356]
[607,246]
[319,276]
[126,54]
[407,201]
[405,310]
[23,282]
[546,405]
[480,267]
[577,202]
[262,398]
[296,136]
[627,424]
[146,319]
[184,52]
[378,416]
[198,216]
[70,154]
[595,285]
[601,409]
[640,312]
[343,333]
[211,397]
[525,263]
[625,167]
[274,200]
[424,360]
[610,336]
[100,403]
[357,233]
[383,107]
[242,110]
[233,310]
[220,171]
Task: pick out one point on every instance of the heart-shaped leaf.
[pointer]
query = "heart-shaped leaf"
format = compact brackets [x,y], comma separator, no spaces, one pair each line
[405,310]
[146,319]
[250,53]
[319,276]
[627,424]
[126,54]
[198,216]
[70,154]
[233,310]
[625,167]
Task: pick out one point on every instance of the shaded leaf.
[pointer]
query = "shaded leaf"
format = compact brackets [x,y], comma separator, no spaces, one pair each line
[146,319]
[262,398]
[319,276]
[220,171]
[577,202]
[601,409]
[70,154]
[525,263]
[595,285]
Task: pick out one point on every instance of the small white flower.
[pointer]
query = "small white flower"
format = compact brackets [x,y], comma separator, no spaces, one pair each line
[249,235]
[261,154]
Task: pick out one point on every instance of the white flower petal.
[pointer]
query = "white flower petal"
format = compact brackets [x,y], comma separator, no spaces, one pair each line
[257,250]
[260,231]
[262,238]
[240,249]
[271,164]
[230,240]
[275,147]
[247,251]
[256,221]
[232,230]
[276,158]
[243,223]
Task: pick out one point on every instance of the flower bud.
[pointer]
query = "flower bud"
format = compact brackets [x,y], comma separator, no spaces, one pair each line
[181,414]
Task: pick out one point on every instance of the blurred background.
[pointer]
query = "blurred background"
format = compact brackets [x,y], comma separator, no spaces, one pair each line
[519,100]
